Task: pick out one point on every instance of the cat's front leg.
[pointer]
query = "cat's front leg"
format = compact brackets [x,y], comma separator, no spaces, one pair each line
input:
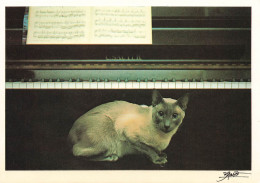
[155,156]
[137,144]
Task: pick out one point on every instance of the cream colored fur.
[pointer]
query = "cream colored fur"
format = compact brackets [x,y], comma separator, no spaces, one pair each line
[118,128]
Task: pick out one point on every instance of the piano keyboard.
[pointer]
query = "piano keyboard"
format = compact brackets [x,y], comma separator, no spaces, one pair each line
[128,85]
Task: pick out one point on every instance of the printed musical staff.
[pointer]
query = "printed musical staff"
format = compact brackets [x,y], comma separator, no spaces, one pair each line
[89,25]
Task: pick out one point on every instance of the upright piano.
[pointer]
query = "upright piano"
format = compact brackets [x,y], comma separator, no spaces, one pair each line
[192,47]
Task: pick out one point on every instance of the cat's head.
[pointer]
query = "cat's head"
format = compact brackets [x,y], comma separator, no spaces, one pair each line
[168,113]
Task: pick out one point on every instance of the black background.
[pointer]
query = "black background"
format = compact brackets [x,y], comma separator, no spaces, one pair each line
[215,134]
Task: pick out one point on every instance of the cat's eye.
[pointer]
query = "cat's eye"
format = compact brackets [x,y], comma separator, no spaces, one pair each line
[161,113]
[175,115]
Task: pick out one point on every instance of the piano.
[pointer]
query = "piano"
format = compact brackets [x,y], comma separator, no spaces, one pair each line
[193,48]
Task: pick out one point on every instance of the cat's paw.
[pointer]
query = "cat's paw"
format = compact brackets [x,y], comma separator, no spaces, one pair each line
[112,157]
[77,151]
[163,155]
[160,160]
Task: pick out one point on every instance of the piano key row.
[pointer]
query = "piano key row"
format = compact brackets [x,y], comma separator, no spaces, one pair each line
[128,85]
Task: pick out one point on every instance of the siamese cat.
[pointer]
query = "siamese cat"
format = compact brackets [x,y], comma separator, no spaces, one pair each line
[112,130]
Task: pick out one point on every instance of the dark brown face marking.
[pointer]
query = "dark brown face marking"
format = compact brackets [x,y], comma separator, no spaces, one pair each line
[168,113]
[167,116]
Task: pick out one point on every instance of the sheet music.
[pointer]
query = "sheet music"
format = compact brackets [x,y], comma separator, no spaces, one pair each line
[89,25]
[117,24]
[58,25]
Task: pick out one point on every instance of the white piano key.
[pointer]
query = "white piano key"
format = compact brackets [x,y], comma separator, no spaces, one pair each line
[172,85]
[36,85]
[44,85]
[50,85]
[242,85]
[16,85]
[213,85]
[93,85]
[186,85]
[108,85]
[221,84]
[228,84]
[143,85]
[248,84]
[150,84]
[178,84]
[200,85]
[29,85]
[136,84]
[114,85]
[165,85]
[234,85]
[158,85]
[193,84]
[8,85]
[86,84]
[101,85]
[79,85]
[57,85]
[72,85]
[122,85]
[206,85]
[129,85]
[23,85]
[65,85]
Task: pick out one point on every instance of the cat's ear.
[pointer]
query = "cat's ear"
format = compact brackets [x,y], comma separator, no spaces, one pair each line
[183,101]
[156,97]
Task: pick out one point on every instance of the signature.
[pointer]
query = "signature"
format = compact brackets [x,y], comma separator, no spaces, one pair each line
[229,174]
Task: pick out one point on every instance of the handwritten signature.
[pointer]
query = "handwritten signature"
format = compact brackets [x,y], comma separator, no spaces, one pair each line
[229,174]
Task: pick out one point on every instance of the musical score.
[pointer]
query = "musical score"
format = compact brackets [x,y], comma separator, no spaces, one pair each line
[89,25]
[119,23]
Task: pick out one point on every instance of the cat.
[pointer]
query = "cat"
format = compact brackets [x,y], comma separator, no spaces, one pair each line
[112,130]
